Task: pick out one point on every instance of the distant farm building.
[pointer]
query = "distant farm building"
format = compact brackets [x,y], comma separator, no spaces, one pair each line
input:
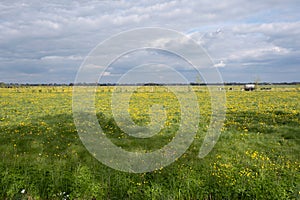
[249,87]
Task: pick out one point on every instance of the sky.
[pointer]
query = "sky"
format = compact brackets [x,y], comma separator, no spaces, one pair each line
[247,41]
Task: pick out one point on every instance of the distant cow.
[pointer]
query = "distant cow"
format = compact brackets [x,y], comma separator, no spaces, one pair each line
[249,87]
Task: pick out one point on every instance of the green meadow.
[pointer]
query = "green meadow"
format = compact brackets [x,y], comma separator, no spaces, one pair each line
[256,157]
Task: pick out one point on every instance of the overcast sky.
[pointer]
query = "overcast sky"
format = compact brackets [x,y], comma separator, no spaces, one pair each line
[47,41]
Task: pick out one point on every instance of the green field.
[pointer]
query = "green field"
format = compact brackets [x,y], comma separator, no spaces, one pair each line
[256,156]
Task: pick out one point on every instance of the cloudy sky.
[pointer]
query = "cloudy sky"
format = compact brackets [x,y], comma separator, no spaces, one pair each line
[47,41]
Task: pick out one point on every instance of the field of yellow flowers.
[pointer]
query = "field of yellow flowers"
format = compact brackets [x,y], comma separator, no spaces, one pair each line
[256,156]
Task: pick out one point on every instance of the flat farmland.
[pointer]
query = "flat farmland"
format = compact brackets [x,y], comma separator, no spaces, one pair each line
[256,156]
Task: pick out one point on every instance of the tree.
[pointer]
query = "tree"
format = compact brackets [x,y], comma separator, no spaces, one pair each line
[2,85]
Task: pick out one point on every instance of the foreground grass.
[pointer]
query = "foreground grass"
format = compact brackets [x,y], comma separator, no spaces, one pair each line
[256,157]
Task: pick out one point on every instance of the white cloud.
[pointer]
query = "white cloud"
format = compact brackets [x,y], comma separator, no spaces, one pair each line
[234,32]
[53,58]
[106,73]
[220,64]
[233,45]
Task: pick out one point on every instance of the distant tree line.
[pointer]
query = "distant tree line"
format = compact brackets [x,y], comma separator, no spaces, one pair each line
[14,85]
